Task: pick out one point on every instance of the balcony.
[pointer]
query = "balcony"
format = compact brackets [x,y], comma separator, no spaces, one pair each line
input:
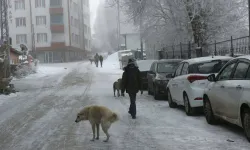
[57,28]
[56,45]
[58,10]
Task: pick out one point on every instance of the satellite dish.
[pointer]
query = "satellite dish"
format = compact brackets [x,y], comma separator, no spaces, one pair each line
[23,48]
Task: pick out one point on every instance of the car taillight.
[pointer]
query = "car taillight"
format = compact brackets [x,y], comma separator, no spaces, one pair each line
[198,98]
[193,78]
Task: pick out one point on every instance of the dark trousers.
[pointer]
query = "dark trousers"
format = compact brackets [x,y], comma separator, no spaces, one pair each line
[96,63]
[101,63]
[132,107]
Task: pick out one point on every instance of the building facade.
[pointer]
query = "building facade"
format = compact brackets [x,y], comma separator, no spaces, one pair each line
[57,30]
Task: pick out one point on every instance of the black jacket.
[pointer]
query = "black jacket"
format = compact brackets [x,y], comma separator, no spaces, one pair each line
[131,79]
[100,58]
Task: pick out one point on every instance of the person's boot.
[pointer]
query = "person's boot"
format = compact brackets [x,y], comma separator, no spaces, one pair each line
[133,117]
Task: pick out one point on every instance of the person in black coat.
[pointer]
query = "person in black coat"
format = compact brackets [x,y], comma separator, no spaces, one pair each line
[101,59]
[131,82]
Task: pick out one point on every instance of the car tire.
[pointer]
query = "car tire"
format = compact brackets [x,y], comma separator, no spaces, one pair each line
[246,123]
[208,111]
[149,92]
[188,109]
[156,95]
[170,100]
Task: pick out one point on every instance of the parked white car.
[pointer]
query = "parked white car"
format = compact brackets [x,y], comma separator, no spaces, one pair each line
[228,94]
[187,86]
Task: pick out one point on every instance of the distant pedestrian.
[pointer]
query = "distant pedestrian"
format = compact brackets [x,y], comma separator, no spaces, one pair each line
[101,59]
[131,82]
[96,59]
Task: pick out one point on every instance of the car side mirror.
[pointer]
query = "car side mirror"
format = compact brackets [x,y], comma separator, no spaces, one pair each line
[211,78]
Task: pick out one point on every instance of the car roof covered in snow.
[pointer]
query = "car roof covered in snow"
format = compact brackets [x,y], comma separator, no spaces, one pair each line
[168,60]
[245,57]
[144,65]
[205,59]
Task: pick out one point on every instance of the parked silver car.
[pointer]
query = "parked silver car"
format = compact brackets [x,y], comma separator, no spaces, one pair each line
[227,97]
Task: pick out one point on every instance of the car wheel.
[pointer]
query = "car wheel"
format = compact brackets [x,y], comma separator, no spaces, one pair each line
[156,95]
[246,123]
[170,100]
[188,108]
[149,93]
[208,111]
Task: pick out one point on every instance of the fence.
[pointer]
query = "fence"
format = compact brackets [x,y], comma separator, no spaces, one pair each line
[190,50]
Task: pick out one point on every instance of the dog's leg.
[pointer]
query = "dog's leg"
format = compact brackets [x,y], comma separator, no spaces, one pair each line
[114,89]
[105,127]
[98,129]
[118,93]
[93,130]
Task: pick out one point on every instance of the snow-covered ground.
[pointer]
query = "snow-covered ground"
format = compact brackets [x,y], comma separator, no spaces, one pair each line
[41,116]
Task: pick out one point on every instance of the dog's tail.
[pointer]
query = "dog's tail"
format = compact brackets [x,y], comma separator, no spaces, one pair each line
[114,118]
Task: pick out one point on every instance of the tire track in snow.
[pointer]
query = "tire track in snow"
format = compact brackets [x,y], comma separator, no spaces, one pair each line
[16,127]
[136,137]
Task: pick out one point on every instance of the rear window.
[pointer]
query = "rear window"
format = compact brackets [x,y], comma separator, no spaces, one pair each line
[207,67]
[167,67]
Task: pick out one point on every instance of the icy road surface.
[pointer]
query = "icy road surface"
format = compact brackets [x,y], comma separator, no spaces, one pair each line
[41,116]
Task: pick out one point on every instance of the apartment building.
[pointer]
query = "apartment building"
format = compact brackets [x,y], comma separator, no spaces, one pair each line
[58,30]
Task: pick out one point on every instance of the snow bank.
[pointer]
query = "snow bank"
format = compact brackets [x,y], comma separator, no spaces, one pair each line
[52,69]
[144,65]
[3,98]
[111,64]
[113,57]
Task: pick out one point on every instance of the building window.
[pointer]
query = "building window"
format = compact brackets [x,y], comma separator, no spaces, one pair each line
[72,21]
[21,39]
[86,2]
[73,37]
[85,28]
[55,3]
[75,22]
[56,19]
[89,31]
[77,39]
[40,20]
[20,4]
[21,22]
[40,3]
[75,7]
[42,38]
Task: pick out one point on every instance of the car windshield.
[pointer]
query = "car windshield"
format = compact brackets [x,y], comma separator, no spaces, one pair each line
[167,67]
[207,67]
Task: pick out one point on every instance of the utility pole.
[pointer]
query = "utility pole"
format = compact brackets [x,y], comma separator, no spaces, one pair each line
[33,44]
[118,24]
[249,26]
[140,26]
[5,47]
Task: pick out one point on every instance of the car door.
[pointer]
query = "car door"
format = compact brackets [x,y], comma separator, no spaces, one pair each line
[151,75]
[181,82]
[234,88]
[174,83]
[218,92]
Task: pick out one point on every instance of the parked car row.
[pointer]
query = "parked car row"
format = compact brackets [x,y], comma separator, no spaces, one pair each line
[220,85]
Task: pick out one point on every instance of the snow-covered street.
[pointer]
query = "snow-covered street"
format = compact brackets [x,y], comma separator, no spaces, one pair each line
[41,115]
